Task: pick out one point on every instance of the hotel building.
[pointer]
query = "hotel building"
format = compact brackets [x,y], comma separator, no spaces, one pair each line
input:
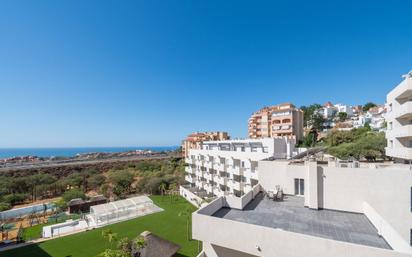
[193,141]
[399,121]
[230,167]
[327,210]
[277,121]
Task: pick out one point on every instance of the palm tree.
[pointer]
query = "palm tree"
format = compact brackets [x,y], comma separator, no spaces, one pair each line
[109,235]
[172,189]
[138,244]
[188,213]
[162,188]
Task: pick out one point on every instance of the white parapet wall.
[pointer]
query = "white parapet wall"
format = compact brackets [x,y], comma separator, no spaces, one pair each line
[64,228]
[386,230]
[241,202]
[191,197]
[265,241]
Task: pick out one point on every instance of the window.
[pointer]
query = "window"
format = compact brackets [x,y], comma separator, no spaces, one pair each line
[299,186]
[391,143]
[410,238]
[390,125]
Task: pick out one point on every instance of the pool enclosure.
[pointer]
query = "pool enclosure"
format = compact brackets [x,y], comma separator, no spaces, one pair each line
[112,212]
[25,211]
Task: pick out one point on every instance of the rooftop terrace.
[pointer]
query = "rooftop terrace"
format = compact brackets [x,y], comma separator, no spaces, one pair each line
[291,215]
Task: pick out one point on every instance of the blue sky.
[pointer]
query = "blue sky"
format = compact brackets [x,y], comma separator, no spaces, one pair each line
[127,73]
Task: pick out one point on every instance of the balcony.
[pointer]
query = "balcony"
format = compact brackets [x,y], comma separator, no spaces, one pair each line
[399,152]
[400,132]
[199,183]
[199,173]
[220,167]
[222,180]
[401,112]
[199,163]
[189,161]
[190,170]
[236,170]
[239,186]
[208,164]
[208,176]
[190,179]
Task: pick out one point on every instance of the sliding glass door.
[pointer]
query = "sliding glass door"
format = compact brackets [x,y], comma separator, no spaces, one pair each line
[299,186]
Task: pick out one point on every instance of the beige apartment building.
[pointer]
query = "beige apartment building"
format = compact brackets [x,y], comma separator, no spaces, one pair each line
[194,140]
[277,121]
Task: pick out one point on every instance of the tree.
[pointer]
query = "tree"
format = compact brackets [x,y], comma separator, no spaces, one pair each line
[138,244]
[360,144]
[60,205]
[188,214]
[173,189]
[310,139]
[109,235]
[162,188]
[367,106]
[113,253]
[105,190]
[96,181]
[152,185]
[15,198]
[342,116]
[125,247]
[4,206]
[73,194]
[122,181]
[74,180]
[316,121]
[308,112]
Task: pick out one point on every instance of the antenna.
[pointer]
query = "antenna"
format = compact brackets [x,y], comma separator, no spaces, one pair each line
[408,75]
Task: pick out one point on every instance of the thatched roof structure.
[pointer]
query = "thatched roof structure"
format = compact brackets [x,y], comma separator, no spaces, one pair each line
[157,246]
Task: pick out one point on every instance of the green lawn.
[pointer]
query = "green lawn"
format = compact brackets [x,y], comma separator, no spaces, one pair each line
[34,232]
[167,224]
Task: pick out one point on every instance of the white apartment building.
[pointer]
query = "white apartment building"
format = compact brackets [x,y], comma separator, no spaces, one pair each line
[326,211]
[344,108]
[399,120]
[230,167]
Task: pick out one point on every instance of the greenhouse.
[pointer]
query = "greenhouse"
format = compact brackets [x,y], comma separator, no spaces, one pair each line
[108,213]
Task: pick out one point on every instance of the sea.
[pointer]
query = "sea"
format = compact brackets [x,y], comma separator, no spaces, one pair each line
[73,151]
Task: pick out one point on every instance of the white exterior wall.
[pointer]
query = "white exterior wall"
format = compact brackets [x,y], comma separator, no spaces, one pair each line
[399,120]
[345,108]
[232,172]
[382,194]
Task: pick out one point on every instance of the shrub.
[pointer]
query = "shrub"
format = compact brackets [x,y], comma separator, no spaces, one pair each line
[73,194]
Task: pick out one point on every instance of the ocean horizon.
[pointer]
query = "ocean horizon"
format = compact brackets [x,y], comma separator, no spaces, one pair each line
[73,151]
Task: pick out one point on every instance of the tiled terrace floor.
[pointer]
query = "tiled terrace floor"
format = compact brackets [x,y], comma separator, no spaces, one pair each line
[291,215]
